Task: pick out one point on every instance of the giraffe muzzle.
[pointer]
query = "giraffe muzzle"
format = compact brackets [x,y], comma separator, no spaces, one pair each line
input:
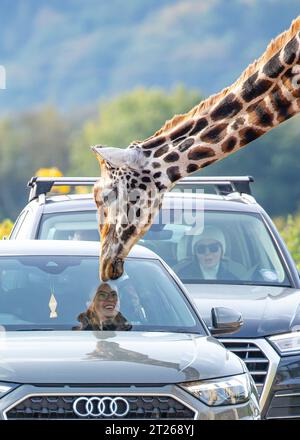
[112,269]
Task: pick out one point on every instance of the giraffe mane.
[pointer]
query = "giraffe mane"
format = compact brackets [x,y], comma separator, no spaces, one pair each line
[274,46]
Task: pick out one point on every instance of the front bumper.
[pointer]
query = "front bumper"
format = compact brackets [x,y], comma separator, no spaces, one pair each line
[284,398]
[280,394]
[198,410]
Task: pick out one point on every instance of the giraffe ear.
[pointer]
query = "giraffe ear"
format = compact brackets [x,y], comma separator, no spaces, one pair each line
[117,157]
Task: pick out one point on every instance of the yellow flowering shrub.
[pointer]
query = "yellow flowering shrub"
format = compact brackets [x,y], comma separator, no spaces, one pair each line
[5,228]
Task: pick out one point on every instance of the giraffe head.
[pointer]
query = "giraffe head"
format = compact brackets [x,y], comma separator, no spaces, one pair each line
[127,197]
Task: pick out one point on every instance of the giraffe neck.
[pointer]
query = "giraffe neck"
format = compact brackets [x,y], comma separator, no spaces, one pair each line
[254,105]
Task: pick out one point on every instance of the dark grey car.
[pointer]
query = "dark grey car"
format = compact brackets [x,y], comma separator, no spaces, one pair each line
[163,365]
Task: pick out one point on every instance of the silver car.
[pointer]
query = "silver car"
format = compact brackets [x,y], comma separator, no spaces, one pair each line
[160,362]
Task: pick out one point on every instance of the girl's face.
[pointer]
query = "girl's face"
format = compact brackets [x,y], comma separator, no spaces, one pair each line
[106,303]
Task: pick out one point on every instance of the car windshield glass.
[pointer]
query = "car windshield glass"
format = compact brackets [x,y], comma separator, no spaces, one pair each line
[69,226]
[201,246]
[63,292]
[221,247]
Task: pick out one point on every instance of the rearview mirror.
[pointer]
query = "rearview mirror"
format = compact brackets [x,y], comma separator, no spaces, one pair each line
[225,321]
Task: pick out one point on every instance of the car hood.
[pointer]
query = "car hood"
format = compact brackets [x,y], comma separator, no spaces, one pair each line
[112,357]
[266,310]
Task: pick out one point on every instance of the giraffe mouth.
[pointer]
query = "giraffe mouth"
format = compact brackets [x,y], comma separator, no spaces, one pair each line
[113,269]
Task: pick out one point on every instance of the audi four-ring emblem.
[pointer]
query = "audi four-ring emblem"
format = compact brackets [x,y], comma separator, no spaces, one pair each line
[101,406]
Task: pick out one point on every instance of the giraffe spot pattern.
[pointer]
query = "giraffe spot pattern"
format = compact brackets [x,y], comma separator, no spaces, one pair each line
[155,142]
[228,107]
[229,144]
[290,51]
[288,80]
[192,167]
[198,153]
[213,135]
[178,140]
[157,175]
[160,186]
[146,179]
[264,116]
[142,186]
[147,153]
[249,134]
[237,123]
[200,125]
[186,144]
[281,105]
[209,162]
[171,157]
[173,173]
[253,89]
[128,233]
[273,67]
[156,164]
[181,130]
[161,151]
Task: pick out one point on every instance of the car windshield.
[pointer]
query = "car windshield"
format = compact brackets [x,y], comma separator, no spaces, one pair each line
[63,292]
[200,246]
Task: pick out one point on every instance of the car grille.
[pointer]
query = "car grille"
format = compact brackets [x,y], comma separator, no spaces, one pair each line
[285,405]
[61,407]
[255,359]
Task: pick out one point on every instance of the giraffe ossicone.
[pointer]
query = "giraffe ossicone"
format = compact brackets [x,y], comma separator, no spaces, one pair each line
[134,180]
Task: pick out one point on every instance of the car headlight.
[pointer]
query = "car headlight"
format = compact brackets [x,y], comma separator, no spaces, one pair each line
[288,343]
[227,391]
[6,388]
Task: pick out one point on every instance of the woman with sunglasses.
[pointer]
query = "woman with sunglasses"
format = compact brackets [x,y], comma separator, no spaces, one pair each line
[103,312]
[207,260]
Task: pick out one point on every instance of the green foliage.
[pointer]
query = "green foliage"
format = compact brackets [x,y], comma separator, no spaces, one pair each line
[28,142]
[47,138]
[273,161]
[289,228]
[132,116]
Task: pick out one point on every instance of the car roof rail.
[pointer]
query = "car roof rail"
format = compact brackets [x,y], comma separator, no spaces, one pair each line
[43,185]
[223,185]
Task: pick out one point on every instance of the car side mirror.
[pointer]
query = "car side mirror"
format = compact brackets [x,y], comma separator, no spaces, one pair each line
[225,321]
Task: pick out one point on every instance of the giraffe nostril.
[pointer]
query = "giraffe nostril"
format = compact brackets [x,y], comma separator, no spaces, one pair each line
[116,268]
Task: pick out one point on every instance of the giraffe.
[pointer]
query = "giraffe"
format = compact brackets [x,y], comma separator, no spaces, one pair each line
[134,180]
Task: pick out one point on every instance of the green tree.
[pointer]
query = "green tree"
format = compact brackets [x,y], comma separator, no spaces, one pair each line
[131,116]
[289,228]
[28,142]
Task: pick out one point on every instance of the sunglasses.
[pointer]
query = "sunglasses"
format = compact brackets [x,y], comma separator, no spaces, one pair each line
[212,248]
[105,295]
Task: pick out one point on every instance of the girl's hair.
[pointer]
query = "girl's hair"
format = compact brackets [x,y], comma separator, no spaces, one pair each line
[90,317]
